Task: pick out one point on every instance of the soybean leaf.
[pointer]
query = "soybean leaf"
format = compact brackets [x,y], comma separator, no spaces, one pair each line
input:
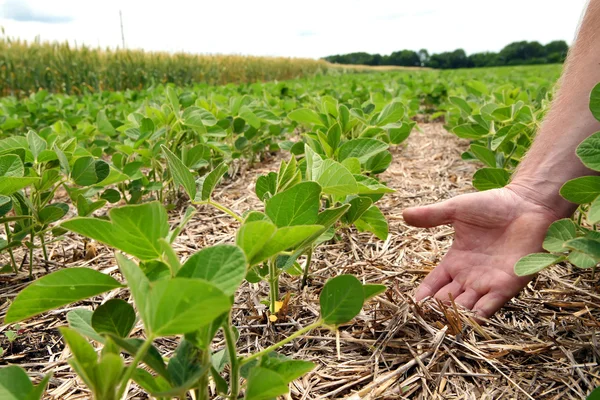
[581,190]
[585,245]
[151,384]
[298,205]
[266,185]
[116,316]
[14,383]
[80,320]
[53,213]
[400,134]
[391,113]
[11,165]
[581,260]
[36,144]
[536,262]
[593,215]
[253,236]
[367,185]
[38,391]
[363,149]
[484,155]
[358,206]
[341,299]
[373,290]
[173,305]
[181,174]
[134,229]
[305,116]
[137,283]
[153,358]
[84,359]
[373,221]
[595,102]
[558,233]
[335,179]
[6,205]
[352,164]
[12,184]
[189,213]
[104,125]
[287,369]
[87,171]
[185,367]
[223,265]
[595,395]
[379,162]
[58,289]
[108,374]
[285,238]
[264,384]
[490,178]
[211,180]
[589,151]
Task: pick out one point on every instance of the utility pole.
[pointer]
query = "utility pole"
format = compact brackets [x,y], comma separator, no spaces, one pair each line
[122,33]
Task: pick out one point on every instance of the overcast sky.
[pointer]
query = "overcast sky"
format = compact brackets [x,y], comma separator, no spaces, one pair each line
[304,28]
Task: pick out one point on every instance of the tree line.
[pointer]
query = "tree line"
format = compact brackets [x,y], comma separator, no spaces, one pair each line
[516,53]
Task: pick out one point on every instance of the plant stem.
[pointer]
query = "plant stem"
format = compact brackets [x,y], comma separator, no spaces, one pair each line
[225,210]
[136,360]
[273,286]
[44,250]
[31,255]
[285,341]
[306,267]
[234,373]
[10,252]
[202,392]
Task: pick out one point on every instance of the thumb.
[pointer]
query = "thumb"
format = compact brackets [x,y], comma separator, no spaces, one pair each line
[430,216]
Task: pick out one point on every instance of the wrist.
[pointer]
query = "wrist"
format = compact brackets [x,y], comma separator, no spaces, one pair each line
[544,193]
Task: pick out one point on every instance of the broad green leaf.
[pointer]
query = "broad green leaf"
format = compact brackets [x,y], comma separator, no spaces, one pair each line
[285,238]
[172,98]
[298,205]
[104,125]
[11,165]
[593,214]
[341,299]
[116,316]
[367,185]
[190,211]
[595,101]
[330,216]
[224,266]
[558,233]
[108,374]
[581,190]
[38,391]
[253,236]
[391,113]
[58,289]
[470,131]
[12,184]
[595,395]
[185,367]
[196,117]
[461,103]
[581,260]
[288,370]
[134,229]
[36,144]
[181,305]
[180,173]
[373,221]
[363,149]
[484,155]
[305,116]
[352,164]
[53,213]
[400,134]
[12,143]
[266,185]
[589,151]
[373,290]
[210,181]
[87,171]
[534,263]
[379,162]
[313,162]
[137,283]
[6,205]
[80,320]
[153,358]
[84,359]
[14,383]
[264,384]
[148,382]
[358,206]
[585,245]
[335,179]
[490,178]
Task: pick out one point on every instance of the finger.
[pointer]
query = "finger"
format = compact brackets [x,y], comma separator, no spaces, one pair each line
[468,298]
[437,279]
[489,304]
[430,216]
[450,291]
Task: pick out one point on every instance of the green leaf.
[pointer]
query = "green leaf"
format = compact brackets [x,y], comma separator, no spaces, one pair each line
[181,174]
[298,205]
[335,179]
[134,229]
[116,316]
[14,383]
[11,165]
[484,155]
[104,125]
[593,214]
[373,221]
[534,263]
[36,144]
[352,164]
[108,374]
[585,245]
[196,117]
[358,206]
[264,384]
[6,205]
[379,162]
[266,185]
[153,358]
[80,320]
[84,359]
[373,290]
[172,98]
[305,116]
[589,151]
[87,171]
[581,190]
[558,233]
[253,236]
[58,289]
[341,299]
[185,367]
[288,370]
[368,185]
[190,211]
[151,384]
[211,180]
[490,178]
[38,391]
[470,131]
[399,135]
[391,113]
[137,283]
[581,260]
[12,184]
[595,395]
[363,149]
[286,238]
[224,266]
[180,305]
[53,213]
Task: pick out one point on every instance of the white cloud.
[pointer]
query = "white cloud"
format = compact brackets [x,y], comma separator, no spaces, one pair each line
[309,28]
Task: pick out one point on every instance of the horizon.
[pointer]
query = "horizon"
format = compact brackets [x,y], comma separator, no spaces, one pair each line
[309,35]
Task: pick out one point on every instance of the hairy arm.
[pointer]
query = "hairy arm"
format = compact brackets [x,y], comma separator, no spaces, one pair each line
[551,160]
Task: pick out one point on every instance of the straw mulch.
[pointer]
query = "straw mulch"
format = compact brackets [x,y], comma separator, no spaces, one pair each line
[542,345]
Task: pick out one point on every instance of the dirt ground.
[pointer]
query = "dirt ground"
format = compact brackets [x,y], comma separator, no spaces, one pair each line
[542,345]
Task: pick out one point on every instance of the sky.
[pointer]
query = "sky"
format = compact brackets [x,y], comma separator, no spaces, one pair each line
[305,28]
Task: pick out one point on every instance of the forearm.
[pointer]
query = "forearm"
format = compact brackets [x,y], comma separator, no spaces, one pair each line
[551,160]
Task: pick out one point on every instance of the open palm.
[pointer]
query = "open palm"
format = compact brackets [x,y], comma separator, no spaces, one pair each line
[493,230]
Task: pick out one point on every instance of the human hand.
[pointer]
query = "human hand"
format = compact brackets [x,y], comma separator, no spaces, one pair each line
[493,230]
